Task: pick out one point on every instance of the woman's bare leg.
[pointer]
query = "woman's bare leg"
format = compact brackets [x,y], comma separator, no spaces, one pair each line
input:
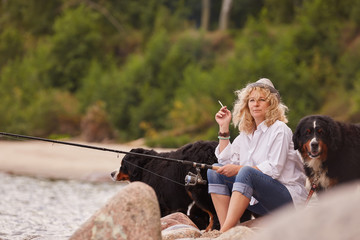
[236,208]
[221,204]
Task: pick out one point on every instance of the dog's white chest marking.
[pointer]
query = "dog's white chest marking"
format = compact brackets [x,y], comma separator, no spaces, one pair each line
[320,177]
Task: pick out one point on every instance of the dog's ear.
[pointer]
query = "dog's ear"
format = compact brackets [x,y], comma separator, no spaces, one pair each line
[135,174]
[129,165]
[297,136]
[131,162]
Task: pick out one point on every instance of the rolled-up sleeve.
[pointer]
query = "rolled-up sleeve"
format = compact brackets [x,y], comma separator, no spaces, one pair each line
[231,153]
[225,156]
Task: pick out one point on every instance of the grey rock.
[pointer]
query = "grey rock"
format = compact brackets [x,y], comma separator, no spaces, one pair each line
[133,213]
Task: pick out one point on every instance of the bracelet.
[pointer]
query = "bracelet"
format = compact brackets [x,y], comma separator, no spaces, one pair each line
[225,134]
[223,138]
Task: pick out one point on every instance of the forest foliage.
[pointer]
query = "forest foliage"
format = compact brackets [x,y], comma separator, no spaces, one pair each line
[123,70]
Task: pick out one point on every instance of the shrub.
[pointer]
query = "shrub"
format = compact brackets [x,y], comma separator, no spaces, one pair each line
[95,125]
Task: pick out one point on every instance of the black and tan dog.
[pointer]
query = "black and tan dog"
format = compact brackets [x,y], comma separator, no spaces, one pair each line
[168,178]
[330,150]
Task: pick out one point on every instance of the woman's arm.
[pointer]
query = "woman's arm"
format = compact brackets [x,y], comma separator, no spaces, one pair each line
[223,118]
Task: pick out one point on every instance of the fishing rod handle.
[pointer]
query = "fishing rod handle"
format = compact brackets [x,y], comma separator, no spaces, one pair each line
[202,165]
[215,168]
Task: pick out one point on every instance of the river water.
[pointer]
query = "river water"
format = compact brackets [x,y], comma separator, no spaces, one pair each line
[39,209]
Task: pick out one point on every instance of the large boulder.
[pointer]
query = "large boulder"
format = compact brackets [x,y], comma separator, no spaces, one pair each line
[335,216]
[133,213]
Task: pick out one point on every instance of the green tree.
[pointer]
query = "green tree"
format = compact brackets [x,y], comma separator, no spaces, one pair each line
[11,45]
[76,41]
[34,16]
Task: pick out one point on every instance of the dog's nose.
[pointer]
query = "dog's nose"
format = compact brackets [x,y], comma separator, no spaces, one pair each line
[314,145]
[113,174]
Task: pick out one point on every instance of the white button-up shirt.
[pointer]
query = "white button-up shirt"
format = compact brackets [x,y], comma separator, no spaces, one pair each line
[271,150]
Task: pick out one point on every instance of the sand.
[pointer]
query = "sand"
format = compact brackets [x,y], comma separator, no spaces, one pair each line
[57,161]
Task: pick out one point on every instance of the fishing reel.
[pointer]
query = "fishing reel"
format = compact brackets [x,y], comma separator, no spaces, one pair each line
[191,179]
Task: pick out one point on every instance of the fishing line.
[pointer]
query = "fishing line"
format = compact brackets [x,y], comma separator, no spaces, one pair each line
[169,179]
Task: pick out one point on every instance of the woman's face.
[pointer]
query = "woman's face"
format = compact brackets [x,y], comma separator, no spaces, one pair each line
[258,104]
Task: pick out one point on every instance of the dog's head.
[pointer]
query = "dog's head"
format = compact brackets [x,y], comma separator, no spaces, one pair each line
[132,165]
[314,135]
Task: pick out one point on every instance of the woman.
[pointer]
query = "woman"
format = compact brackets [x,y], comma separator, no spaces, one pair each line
[260,170]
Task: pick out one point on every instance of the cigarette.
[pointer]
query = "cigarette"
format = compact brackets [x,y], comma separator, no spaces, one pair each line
[221,103]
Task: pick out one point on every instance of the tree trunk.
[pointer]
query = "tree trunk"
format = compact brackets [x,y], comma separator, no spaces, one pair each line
[224,14]
[205,14]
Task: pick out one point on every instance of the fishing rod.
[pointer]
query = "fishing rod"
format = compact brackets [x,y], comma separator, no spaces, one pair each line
[190,179]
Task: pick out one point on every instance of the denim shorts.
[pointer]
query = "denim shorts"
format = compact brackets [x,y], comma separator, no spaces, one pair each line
[251,182]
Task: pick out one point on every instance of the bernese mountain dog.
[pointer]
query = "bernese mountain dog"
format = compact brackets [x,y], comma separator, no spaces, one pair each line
[330,150]
[167,178]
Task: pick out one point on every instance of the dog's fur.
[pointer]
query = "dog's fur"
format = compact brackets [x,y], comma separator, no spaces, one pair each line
[168,178]
[330,150]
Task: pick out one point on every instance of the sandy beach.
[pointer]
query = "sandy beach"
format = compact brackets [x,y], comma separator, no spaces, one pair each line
[56,161]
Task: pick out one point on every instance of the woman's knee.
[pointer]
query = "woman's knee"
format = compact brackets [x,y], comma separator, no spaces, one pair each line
[212,176]
[246,170]
[245,174]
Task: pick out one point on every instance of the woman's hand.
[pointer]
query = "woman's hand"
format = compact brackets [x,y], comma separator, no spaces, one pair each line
[229,170]
[223,118]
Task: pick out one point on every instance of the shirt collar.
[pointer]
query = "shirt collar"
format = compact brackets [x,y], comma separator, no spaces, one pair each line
[262,126]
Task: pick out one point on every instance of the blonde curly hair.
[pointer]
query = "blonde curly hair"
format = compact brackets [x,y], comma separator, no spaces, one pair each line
[242,118]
